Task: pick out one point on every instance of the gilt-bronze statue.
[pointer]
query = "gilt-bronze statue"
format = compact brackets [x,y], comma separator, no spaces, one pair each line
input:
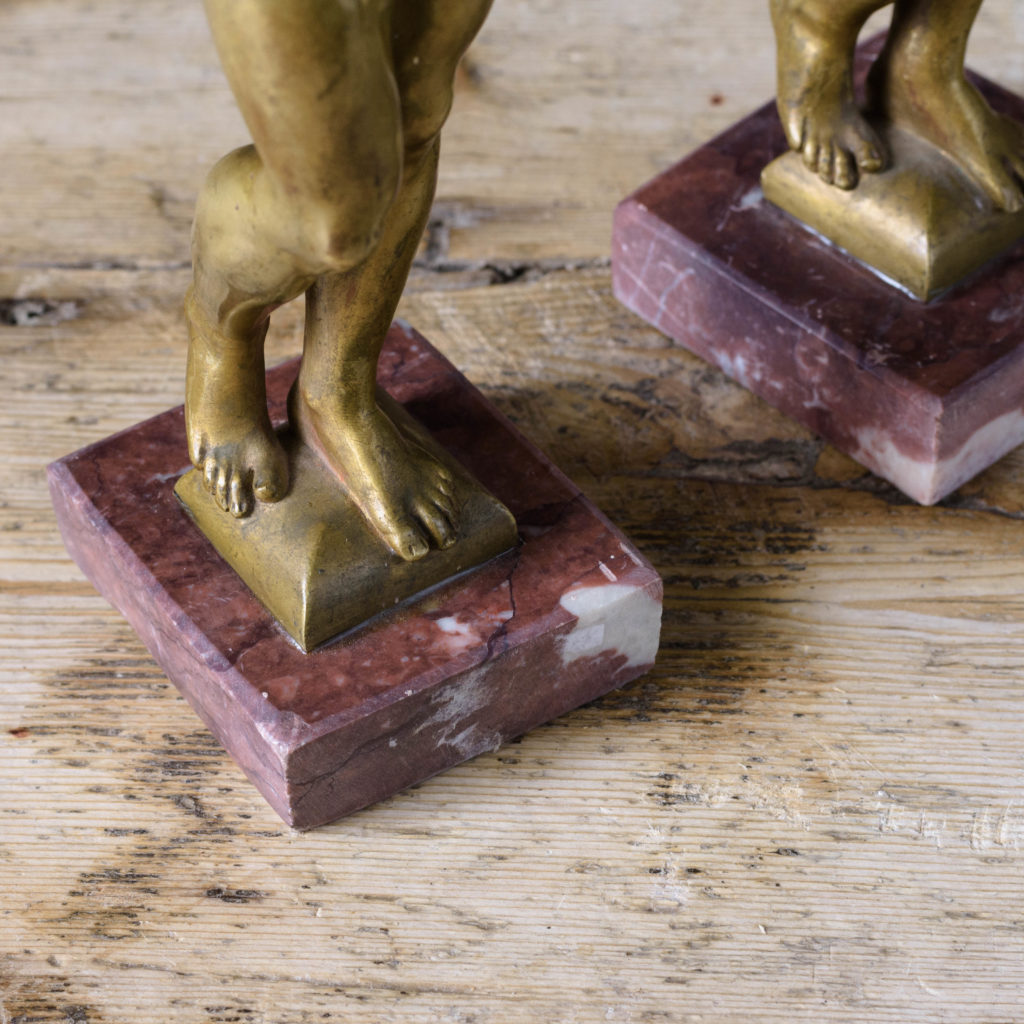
[957,165]
[918,82]
[345,100]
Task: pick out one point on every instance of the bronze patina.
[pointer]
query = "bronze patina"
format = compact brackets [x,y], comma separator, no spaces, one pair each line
[345,100]
[924,183]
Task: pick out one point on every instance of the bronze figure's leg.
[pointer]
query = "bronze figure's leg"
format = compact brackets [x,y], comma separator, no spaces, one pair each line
[313,80]
[919,83]
[816,41]
[401,490]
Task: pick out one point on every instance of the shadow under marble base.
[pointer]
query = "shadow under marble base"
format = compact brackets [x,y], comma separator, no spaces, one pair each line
[925,395]
[572,613]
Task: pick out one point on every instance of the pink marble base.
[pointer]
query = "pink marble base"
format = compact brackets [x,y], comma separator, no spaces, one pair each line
[926,396]
[572,614]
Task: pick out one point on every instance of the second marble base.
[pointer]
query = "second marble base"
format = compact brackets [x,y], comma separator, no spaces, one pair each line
[926,396]
[571,613]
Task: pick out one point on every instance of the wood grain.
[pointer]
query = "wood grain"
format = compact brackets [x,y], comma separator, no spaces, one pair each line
[810,811]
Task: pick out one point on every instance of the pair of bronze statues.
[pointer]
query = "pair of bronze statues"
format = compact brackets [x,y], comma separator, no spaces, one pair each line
[345,100]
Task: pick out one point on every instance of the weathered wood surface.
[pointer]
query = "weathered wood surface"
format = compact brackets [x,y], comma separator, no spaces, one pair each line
[811,811]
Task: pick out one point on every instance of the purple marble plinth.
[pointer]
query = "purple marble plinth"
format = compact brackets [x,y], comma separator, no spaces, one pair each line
[925,395]
[571,614]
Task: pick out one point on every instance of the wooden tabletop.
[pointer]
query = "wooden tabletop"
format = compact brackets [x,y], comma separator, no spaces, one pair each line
[810,811]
